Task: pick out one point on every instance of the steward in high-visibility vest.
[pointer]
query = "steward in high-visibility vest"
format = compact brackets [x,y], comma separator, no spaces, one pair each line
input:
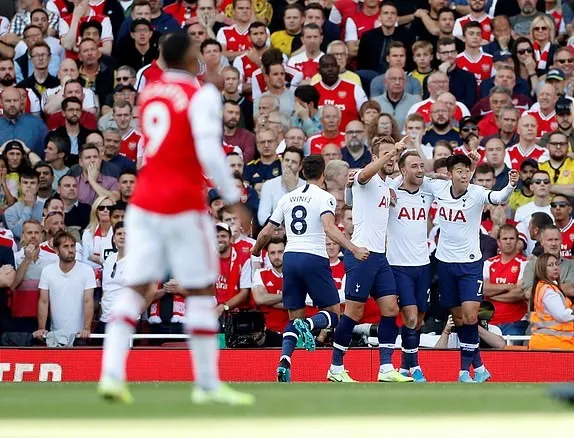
[547,332]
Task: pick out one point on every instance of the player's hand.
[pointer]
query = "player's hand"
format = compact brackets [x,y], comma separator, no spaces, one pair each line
[449,325]
[351,177]
[473,142]
[513,177]
[40,334]
[29,198]
[403,144]
[361,253]
[84,334]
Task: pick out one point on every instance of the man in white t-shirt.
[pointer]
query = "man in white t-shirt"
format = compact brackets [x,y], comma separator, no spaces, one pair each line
[66,292]
[540,186]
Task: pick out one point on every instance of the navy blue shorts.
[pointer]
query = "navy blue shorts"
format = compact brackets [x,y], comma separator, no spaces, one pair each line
[372,277]
[459,282]
[413,285]
[307,274]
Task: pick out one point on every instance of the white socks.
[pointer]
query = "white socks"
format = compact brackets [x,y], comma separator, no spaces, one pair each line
[118,333]
[202,325]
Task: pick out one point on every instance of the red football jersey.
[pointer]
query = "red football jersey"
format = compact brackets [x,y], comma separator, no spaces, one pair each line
[481,67]
[228,282]
[546,123]
[180,12]
[462,150]
[7,240]
[348,97]
[233,40]
[309,67]
[246,67]
[567,240]
[171,180]
[275,319]
[129,145]
[148,74]
[318,141]
[515,155]
[506,273]
[338,271]
[359,23]
[424,108]
[485,25]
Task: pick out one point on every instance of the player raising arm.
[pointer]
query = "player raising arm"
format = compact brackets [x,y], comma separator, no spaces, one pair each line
[169,228]
[309,215]
[460,206]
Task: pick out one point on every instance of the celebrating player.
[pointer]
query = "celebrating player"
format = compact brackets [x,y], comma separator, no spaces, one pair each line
[460,206]
[169,228]
[373,276]
[408,255]
[309,215]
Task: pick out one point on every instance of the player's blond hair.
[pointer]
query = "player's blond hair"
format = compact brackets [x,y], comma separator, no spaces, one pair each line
[377,142]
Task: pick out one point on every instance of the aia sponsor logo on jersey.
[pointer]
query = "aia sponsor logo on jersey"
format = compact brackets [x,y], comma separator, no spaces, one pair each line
[413,214]
[451,215]
[385,202]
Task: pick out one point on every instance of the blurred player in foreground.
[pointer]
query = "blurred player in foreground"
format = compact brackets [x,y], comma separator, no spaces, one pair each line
[309,216]
[169,229]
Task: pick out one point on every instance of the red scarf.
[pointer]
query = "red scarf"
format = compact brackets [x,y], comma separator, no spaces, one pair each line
[541,56]
[177,312]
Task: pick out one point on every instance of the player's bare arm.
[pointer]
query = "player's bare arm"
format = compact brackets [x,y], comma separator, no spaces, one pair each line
[501,196]
[375,166]
[263,238]
[337,236]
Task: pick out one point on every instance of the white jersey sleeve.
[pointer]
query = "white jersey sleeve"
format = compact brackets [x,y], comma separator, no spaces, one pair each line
[351,30]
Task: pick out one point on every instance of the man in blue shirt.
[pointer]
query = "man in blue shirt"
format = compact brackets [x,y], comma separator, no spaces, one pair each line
[355,153]
[16,125]
[441,128]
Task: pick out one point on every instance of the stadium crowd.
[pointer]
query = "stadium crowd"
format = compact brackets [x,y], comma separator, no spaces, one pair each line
[491,79]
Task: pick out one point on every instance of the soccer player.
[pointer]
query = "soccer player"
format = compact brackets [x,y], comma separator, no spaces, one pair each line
[169,228]
[371,277]
[408,255]
[309,216]
[460,205]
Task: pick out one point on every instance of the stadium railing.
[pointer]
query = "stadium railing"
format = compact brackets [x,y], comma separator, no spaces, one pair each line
[147,336]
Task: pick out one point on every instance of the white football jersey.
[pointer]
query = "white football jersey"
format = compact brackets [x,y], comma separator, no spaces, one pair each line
[371,204]
[302,210]
[407,243]
[459,219]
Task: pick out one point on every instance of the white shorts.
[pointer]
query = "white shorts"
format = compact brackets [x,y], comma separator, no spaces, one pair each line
[182,246]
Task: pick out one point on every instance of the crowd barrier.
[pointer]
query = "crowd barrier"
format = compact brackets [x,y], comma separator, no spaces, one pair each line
[173,365]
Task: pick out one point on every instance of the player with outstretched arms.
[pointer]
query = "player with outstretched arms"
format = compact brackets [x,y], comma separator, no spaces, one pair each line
[309,216]
[408,255]
[460,265]
[373,276]
[169,228]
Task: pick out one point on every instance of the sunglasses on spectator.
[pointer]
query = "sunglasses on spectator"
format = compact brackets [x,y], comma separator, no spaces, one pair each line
[104,207]
[123,78]
[540,181]
[560,204]
[565,61]
[523,51]
[540,28]
[469,128]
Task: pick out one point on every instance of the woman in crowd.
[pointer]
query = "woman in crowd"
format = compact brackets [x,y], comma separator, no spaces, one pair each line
[543,37]
[97,236]
[525,62]
[385,126]
[551,312]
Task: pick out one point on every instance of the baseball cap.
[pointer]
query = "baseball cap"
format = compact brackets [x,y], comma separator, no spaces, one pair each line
[563,106]
[468,120]
[212,195]
[139,21]
[14,145]
[222,226]
[528,162]
[122,87]
[555,74]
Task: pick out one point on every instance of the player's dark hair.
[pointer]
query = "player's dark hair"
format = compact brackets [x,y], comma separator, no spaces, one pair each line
[308,94]
[471,25]
[541,220]
[453,160]
[441,162]
[90,24]
[405,155]
[376,143]
[174,49]
[209,42]
[68,100]
[61,237]
[295,150]
[507,227]
[313,167]
[484,168]
[256,25]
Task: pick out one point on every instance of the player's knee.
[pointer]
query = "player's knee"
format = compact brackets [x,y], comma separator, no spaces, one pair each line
[410,320]
[390,309]
[354,310]
[469,318]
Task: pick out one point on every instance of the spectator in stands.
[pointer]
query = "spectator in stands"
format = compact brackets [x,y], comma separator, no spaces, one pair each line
[494,155]
[489,337]
[97,236]
[19,159]
[23,18]
[289,39]
[7,198]
[336,175]
[130,139]
[273,189]
[369,113]
[122,94]
[152,10]
[45,180]
[266,288]
[30,207]
[91,183]
[559,167]
[306,115]
[295,137]
[66,293]
[233,135]
[503,284]
[331,133]
[525,63]
[16,125]
[94,74]
[112,143]
[72,128]
[505,78]
[506,120]
[72,88]
[498,98]
[396,58]
[234,282]
[139,50]
[96,139]
[521,23]
[56,152]
[77,214]
[385,126]
[564,119]
[551,316]
[267,166]
[540,186]
[233,92]
[40,78]
[562,212]
[235,161]
[274,73]
[127,183]
[112,276]
[527,146]
[461,83]
[331,151]
[356,152]
[249,196]
[503,41]
[30,261]
[441,127]
[396,100]
[339,50]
